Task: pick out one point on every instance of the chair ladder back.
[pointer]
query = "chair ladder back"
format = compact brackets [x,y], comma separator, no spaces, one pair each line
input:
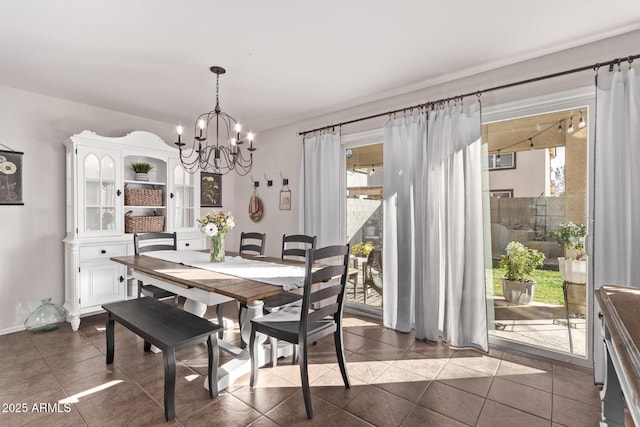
[333,288]
[327,273]
[309,242]
[321,313]
[325,293]
[252,247]
[138,237]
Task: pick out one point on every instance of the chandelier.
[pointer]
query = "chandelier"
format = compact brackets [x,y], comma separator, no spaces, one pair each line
[222,152]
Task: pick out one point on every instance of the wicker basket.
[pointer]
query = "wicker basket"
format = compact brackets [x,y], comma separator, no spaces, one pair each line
[142,197]
[143,224]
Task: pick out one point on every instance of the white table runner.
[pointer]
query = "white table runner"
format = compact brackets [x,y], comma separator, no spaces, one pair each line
[288,276]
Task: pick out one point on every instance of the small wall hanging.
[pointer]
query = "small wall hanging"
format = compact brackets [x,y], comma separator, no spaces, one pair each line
[210,190]
[10,177]
[255,204]
[285,195]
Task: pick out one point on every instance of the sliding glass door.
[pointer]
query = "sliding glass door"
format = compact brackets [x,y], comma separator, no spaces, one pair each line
[364,221]
[536,185]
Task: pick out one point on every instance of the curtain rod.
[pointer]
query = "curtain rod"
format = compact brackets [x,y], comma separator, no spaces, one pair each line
[594,67]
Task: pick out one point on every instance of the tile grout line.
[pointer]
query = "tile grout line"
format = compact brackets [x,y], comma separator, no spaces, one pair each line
[53,372]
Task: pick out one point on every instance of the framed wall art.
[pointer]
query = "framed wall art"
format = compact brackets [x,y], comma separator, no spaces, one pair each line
[11,178]
[210,190]
[285,200]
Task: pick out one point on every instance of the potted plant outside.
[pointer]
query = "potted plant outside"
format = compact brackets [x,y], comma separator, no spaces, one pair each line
[141,170]
[520,262]
[573,266]
[361,251]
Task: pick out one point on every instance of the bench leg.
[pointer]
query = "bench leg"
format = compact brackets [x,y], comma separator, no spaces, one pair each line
[169,356]
[147,346]
[110,339]
[212,347]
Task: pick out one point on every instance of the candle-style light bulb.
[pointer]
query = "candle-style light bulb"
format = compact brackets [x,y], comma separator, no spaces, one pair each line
[201,125]
[250,137]
[238,127]
[179,129]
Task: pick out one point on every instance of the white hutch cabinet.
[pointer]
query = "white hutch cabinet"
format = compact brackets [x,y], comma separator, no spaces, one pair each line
[98,171]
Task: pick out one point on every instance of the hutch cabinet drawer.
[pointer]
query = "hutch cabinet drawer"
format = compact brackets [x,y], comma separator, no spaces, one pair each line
[101,251]
[190,244]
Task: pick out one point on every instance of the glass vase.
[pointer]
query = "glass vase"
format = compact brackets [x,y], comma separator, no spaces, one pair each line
[217,248]
[46,317]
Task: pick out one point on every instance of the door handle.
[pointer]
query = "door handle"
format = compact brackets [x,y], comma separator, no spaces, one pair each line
[118,193]
[186,244]
[171,195]
[104,251]
[121,279]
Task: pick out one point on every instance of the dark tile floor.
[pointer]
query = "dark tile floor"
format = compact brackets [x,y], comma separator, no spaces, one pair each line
[395,381]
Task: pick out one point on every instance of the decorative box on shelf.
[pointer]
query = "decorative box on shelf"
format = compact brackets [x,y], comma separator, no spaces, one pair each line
[142,197]
[143,223]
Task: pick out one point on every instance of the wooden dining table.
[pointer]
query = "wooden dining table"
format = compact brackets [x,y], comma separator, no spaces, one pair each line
[203,288]
[190,279]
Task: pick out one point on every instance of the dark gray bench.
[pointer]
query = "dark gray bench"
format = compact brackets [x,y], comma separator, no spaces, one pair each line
[170,329]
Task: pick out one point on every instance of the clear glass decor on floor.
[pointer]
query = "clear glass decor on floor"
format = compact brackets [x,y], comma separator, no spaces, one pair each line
[46,317]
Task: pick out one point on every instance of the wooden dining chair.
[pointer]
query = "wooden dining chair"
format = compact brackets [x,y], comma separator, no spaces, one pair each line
[296,245]
[293,246]
[148,242]
[252,242]
[162,242]
[304,325]
[372,273]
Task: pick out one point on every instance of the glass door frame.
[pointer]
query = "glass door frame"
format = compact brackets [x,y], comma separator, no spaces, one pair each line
[570,99]
[353,140]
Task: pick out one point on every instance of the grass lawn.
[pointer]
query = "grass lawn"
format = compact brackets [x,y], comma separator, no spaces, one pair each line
[548,288]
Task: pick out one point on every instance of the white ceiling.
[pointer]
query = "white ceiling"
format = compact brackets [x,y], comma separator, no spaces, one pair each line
[285,60]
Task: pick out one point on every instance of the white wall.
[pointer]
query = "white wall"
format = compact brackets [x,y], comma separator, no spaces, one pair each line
[529,178]
[279,151]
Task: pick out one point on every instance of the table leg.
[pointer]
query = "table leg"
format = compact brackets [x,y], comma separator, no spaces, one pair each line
[195,307]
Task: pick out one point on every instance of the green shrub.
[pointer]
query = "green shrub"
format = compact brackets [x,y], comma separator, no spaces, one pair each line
[520,262]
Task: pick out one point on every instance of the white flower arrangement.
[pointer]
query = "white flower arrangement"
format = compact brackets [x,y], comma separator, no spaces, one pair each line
[216,223]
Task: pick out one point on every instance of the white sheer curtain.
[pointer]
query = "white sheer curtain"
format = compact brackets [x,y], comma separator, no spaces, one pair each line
[616,230]
[433,239]
[321,193]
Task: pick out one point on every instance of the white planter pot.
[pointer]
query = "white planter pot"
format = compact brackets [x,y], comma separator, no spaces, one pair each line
[141,176]
[518,292]
[573,270]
